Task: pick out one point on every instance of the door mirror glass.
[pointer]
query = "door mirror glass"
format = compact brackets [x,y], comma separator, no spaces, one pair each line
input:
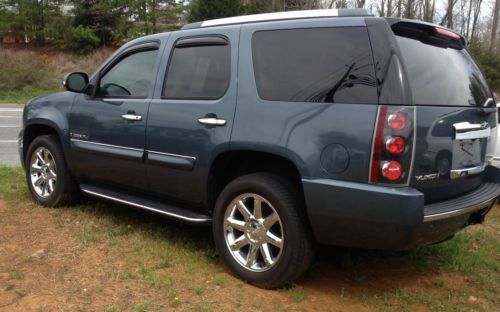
[76,82]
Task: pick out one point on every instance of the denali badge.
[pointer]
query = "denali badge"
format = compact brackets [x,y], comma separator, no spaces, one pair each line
[427,177]
[79,136]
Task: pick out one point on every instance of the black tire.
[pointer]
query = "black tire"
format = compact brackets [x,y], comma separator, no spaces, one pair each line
[65,191]
[299,247]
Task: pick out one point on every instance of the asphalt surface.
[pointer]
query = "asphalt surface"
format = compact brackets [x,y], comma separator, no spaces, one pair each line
[10,125]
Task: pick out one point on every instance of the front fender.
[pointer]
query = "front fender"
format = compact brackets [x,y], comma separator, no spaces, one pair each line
[51,111]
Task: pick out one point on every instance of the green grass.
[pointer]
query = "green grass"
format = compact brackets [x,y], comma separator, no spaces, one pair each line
[24,95]
[142,307]
[16,275]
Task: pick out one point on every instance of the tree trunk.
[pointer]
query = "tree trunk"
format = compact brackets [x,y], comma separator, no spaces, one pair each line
[469,12]
[409,12]
[389,8]
[477,11]
[494,26]
[360,3]
[153,15]
[449,14]
[381,10]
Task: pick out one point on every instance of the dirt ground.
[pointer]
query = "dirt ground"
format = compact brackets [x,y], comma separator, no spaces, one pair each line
[82,259]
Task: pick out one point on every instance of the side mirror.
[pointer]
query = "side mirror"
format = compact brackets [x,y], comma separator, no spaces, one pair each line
[76,82]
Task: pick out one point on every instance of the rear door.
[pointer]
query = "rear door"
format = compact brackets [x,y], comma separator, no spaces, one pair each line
[191,116]
[455,110]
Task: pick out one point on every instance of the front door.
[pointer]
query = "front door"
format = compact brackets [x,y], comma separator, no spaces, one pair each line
[108,129]
[190,117]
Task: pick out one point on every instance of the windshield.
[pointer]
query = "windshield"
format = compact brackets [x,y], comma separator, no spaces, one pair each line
[442,76]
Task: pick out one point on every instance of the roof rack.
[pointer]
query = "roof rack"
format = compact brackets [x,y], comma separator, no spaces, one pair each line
[287,15]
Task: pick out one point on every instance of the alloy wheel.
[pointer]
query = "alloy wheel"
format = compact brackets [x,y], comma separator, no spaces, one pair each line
[43,172]
[253,232]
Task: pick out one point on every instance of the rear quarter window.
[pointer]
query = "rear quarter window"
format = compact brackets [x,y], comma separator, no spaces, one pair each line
[314,65]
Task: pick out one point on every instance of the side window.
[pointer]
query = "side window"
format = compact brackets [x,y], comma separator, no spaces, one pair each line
[314,65]
[198,72]
[130,77]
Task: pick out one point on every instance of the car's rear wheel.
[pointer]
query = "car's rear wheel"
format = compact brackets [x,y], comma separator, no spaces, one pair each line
[261,230]
[48,177]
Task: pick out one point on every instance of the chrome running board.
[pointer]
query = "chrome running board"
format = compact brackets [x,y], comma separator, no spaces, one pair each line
[160,208]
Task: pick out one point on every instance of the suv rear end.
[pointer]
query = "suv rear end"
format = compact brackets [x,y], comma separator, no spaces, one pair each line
[428,171]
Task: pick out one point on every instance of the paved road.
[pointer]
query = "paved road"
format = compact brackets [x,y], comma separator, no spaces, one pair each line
[10,125]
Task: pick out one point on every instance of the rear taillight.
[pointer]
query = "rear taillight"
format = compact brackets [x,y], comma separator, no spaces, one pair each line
[392,148]
[397,121]
[395,145]
[391,170]
[446,33]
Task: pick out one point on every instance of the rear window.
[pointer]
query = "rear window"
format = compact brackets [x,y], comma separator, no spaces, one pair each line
[442,76]
[314,65]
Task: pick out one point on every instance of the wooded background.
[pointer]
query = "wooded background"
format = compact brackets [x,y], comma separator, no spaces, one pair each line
[85,25]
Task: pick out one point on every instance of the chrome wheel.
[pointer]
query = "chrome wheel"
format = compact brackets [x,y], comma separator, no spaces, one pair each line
[254,232]
[43,172]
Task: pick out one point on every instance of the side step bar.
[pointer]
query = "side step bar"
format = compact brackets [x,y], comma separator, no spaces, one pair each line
[156,207]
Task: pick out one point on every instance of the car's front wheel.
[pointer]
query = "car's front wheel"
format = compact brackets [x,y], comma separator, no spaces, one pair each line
[49,180]
[261,231]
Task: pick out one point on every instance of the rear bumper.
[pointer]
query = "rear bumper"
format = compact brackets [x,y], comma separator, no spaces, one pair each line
[368,216]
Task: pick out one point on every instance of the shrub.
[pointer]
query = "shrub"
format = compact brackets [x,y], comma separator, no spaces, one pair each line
[489,62]
[21,69]
[83,40]
[26,70]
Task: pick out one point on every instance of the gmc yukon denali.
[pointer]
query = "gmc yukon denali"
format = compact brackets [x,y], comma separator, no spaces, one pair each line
[281,131]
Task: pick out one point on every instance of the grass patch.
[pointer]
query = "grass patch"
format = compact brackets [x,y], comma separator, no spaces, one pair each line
[298,294]
[16,275]
[9,287]
[220,281]
[466,252]
[12,184]
[142,307]
[22,96]
[199,291]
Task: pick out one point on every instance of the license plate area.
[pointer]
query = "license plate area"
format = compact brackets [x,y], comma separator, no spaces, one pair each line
[469,149]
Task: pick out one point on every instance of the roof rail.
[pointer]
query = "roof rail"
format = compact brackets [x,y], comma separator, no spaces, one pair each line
[287,15]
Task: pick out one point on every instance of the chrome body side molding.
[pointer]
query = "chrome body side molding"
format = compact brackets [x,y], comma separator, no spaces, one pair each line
[175,161]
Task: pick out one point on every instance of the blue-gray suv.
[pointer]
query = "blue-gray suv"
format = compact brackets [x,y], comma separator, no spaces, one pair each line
[282,131]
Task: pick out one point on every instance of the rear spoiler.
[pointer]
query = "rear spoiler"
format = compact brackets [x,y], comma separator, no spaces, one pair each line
[428,33]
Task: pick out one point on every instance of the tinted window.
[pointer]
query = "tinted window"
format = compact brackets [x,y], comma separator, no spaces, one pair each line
[442,76]
[130,77]
[314,65]
[198,72]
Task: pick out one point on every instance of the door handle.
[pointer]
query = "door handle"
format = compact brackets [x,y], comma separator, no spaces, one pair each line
[212,121]
[132,117]
[466,130]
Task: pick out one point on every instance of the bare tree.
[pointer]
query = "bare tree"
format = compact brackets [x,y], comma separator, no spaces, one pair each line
[359,3]
[410,9]
[381,9]
[447,19]
[389,8]
[428,9]
[330,4]
[494,25]
[476,12]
